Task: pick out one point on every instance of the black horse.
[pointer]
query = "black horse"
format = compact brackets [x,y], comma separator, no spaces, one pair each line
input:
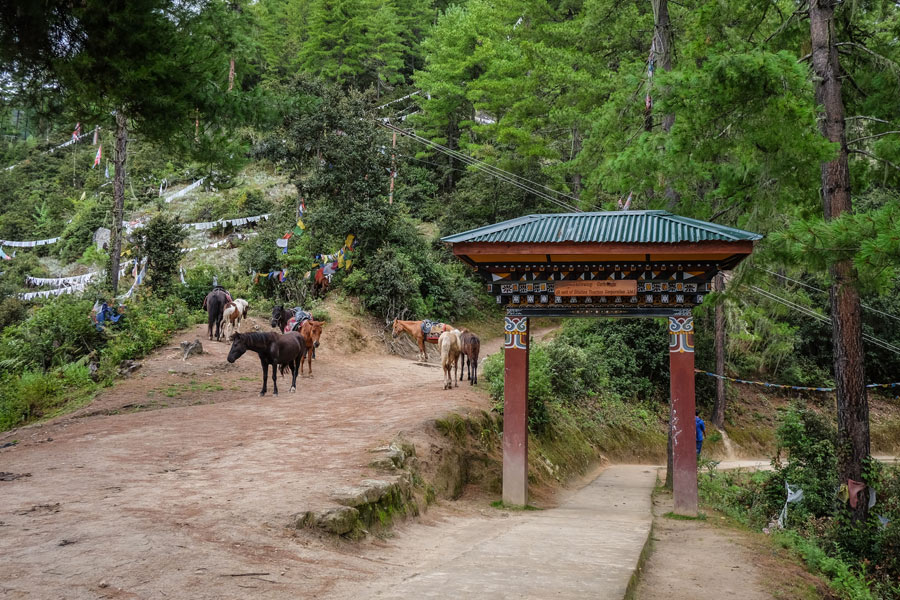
[280,317]
[214,303]
[273,349]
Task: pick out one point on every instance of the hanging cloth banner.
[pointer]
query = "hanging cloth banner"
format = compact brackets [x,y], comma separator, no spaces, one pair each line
[60,281]
[71,289]
[181,274]
[77,133]
[181,193]
[99,154]
[137,280]
[4,255]
[794,494]
[29,244]
[96,135]
[213,245]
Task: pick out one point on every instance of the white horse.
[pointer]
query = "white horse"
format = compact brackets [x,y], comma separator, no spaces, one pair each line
[448,344]
[235,312]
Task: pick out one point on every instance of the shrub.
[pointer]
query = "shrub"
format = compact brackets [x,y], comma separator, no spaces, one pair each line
[160,242]
[808,438]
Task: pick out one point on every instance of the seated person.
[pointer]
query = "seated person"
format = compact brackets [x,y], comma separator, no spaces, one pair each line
[103,313]
[300,316]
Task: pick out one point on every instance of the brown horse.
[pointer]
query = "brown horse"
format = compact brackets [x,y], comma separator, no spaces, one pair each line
[469,348]
[414,329]
[214,303]
[273,349]
[310,331]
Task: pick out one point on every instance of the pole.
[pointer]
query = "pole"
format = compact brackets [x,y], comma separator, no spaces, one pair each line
[393,168]
[681,417]
[515,412]
[718,416]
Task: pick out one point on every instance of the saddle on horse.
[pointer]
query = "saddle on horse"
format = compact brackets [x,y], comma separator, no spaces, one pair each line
[432,329]
[300,316]
[222,289]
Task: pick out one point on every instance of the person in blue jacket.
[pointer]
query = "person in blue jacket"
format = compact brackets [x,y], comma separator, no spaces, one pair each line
[701,431]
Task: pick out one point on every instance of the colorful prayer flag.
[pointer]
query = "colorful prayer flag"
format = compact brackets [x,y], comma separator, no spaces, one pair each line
[99,154]
[77,131]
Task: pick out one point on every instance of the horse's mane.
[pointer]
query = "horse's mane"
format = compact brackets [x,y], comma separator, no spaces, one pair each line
[255,337]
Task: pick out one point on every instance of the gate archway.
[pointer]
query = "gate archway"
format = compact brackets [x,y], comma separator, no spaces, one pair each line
[602,264]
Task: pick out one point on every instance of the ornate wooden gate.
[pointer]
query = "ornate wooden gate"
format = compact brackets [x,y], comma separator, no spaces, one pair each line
[603,264]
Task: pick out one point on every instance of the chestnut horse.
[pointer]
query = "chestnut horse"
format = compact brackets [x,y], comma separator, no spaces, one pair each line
[414,329]
[273,349]
[310,331]
[469,348]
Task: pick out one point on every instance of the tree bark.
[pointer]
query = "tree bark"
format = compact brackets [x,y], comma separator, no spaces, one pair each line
[662,52]
[718,416]
[849,370]
[663,43]
[576,149]
[115,242]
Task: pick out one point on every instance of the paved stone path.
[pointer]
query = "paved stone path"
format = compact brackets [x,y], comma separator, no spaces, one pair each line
[588,547]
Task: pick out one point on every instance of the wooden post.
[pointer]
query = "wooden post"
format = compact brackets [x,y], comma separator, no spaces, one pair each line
[681,418]
[515,412]
[393,167]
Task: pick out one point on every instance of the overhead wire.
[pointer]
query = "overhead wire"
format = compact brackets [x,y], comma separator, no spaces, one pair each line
[806,285]
[507,176]
[811,313]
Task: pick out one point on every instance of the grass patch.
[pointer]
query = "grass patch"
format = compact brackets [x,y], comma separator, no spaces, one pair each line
[701,516]
[500,504]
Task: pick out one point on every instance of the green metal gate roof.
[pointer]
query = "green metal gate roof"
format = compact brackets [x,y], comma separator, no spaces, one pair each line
[631,226]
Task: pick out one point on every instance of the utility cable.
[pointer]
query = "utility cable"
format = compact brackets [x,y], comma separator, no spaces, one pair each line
[497,172]
[811,313]
[866,306]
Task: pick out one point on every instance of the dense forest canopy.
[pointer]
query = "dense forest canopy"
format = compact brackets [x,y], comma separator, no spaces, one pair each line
[354,133]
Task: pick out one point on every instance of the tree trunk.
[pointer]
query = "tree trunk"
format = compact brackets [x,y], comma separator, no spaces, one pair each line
[115,242]
[718,416]
[661,54]
[852,403]
[576,149]
[664,51]
[663,43]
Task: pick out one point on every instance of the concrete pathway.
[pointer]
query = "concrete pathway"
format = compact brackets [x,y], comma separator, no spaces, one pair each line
[586,548]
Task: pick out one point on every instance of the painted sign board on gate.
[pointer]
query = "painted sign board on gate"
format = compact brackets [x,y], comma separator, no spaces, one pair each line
[610,287]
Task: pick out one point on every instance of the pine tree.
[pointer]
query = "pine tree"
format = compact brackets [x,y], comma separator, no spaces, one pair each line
[160,66]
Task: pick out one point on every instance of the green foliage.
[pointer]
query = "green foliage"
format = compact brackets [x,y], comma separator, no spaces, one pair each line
[160,242]
[44,359]
[616,360]
[870,239]
[860,559]
[808,439]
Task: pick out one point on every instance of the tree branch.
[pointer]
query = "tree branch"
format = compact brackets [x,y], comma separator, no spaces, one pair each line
[880,57]
[869,137]
[868,119]
[870,155]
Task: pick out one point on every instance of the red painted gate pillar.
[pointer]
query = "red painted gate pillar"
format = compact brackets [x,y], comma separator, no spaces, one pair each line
[515,412]
[681,414]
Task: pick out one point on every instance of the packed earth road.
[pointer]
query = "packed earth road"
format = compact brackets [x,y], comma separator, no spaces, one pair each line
[196,498]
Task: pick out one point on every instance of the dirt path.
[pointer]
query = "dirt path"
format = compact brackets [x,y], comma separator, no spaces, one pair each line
[124,502]
[700,559]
